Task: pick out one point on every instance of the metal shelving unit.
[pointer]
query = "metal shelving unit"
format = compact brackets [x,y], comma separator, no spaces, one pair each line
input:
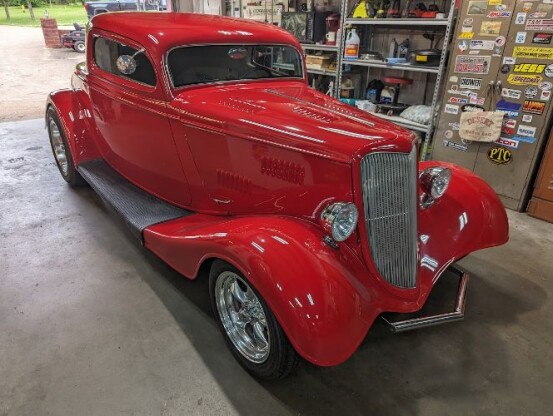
[319,47]
[447,25]
[321,72]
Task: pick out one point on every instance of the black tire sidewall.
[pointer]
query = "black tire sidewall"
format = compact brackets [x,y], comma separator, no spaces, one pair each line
[271,368]
[77,46]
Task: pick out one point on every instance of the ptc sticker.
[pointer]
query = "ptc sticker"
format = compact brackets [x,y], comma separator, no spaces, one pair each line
[500,41]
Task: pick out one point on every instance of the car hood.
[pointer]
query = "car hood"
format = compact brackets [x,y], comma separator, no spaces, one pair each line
[291,115]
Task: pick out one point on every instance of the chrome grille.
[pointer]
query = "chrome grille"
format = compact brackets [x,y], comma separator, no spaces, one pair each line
[389,182]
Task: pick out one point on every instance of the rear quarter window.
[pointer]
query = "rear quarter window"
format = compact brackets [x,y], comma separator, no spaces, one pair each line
[107,51]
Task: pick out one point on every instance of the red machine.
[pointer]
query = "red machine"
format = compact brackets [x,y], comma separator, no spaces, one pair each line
[312,218]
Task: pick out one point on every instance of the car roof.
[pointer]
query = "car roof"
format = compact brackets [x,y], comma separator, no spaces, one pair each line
[164,30]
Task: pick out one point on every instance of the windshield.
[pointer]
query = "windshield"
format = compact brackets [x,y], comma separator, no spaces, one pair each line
[214,63]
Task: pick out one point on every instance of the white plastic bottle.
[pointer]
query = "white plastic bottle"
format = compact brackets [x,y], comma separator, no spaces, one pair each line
[351,50]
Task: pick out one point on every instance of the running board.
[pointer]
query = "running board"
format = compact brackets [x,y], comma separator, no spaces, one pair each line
[458,313]
[137,208]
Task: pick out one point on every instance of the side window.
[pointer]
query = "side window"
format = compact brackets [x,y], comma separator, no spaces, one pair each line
[106,53]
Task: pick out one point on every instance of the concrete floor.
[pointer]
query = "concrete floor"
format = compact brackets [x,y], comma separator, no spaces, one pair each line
[92,324]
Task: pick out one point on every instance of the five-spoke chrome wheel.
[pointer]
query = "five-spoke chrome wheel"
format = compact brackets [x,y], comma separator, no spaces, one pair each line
[242,316]
[58,146]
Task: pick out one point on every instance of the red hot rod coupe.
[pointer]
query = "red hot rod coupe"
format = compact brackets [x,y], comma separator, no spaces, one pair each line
[312,217]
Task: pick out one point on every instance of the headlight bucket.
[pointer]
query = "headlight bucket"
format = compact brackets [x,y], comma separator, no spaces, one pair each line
[434,182]
[339,220]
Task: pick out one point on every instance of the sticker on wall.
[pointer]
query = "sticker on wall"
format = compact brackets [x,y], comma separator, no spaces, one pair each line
[537,15]
[531,92]
[542,38]
[468,21]
[448,134]
[516,79]
[526,118]
[508,126]
[451,109]
[471,83]
[477,8]
[529,68]
[455,145]
[540,24]
[494,2]
[462,45]
[528,131]
[504,105]
[477,100]
[525,139]
[533,107]
[545,95]
[466,35]
[510,93]
[521,37]
[466,29]
[533,52]
[509,60]
[513,144]
[490,28]
[500,41]
[454,78]
[547,1]
[526,7]
[472,64]
[457,100]
[472,108]
[500,155]
[544,8]
[454,126]
[505,69]
[548,71]
[520,19]
[474,52]
[497,14]
[487,45]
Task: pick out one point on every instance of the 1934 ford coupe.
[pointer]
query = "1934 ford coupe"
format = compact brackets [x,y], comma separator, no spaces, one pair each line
[312,217]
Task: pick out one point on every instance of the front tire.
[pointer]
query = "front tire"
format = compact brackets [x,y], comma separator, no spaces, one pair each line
[252,332]
[62,150]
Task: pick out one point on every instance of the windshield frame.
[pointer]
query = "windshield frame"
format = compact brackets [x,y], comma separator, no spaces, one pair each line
[234,81]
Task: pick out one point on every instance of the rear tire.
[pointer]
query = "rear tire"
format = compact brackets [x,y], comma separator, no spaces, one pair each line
[79,46]
[252,332]
[62,150]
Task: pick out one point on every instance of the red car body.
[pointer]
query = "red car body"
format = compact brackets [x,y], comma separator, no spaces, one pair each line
[257,161]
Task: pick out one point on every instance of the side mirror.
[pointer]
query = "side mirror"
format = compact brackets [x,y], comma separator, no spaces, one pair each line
[126,64]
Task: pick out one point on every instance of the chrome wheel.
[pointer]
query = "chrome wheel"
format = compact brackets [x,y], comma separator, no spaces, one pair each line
[242,316]
[57,145]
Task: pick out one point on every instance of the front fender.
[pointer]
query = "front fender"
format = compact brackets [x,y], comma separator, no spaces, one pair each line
[323,298]
[468,217]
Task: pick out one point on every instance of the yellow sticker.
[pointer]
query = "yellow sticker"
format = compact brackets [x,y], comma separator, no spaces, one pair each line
[532,52]
[466,35]
[421,58]
[494,2]
[517,79]
[490,28]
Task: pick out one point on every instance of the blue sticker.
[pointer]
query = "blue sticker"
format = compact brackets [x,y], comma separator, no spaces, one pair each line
[511,114]
[524,139]
[507,106]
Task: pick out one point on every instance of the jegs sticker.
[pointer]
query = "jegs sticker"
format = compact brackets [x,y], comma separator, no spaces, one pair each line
[510,93]
[487,45]
[533,52]
[545,25]
[471,83]
[533,107]
[451,109]
[516,79]
[529,68]
[542,38]
[513,144]
[472,64]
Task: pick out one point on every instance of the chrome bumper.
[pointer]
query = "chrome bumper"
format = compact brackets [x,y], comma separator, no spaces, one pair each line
[458,313]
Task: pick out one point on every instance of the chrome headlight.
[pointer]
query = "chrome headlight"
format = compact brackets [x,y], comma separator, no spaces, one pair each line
[340,219]
[434,183]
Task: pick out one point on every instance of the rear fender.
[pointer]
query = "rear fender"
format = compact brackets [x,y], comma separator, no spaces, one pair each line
[468,217]
[323,298]
[75,120]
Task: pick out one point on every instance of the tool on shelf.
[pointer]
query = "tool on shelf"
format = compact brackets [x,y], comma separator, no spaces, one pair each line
[394,107]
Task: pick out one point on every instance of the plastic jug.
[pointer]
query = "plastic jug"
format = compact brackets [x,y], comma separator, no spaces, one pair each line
[351,50]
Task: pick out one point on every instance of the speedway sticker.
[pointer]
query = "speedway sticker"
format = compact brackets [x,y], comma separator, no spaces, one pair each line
[513,144]
[516,79]
[472,64]
[529,68]
[471,83]
[483,45]
[545,25]
[533,107]
[533,52]
[542,38]
[510,93]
